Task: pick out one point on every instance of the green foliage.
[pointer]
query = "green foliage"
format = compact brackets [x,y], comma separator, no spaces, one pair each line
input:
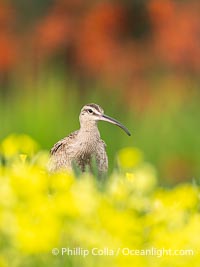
[49,111]
[41,211]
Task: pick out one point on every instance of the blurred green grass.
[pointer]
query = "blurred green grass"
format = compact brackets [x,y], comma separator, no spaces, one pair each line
[49,109]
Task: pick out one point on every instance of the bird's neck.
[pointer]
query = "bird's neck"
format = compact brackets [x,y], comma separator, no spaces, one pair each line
[89,131]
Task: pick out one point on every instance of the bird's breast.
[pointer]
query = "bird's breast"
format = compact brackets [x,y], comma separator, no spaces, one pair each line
[87,151]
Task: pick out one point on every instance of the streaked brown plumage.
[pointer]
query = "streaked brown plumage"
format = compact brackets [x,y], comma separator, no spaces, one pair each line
[81,146]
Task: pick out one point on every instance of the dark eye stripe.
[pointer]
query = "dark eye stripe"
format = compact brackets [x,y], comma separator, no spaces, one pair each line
[95,106]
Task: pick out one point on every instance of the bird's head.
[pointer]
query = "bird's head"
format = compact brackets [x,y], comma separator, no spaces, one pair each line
[91,113]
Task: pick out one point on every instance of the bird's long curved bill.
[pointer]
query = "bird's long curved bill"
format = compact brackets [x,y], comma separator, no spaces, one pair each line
[113,121]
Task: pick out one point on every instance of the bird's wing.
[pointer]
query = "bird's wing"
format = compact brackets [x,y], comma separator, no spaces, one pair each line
[63,143]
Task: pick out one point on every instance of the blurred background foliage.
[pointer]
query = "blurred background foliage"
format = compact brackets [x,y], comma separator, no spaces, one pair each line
[140,60]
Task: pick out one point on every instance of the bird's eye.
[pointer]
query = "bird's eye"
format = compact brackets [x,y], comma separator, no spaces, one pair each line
[90,111]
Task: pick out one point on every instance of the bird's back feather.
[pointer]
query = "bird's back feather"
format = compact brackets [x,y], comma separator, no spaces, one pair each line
[63,143]
[60,153]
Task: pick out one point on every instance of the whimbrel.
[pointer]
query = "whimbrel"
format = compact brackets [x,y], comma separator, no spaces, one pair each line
[81,146]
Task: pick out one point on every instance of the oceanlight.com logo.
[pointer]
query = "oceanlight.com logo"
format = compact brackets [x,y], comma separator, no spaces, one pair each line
[84,252]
